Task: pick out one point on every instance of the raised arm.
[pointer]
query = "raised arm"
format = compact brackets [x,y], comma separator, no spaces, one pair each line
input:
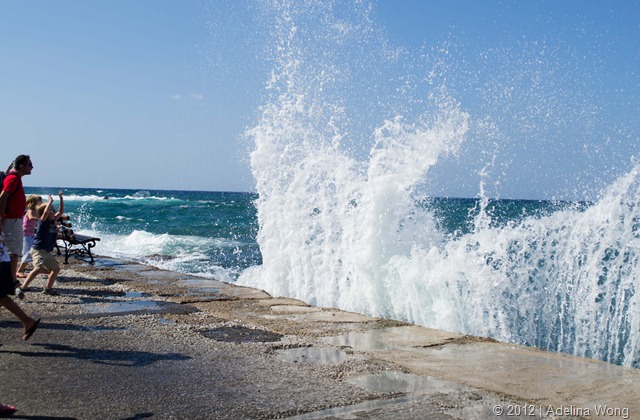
[31,215]
[61,207]
[47,209]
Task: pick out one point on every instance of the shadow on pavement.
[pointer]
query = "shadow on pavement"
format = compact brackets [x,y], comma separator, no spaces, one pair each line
[99,356]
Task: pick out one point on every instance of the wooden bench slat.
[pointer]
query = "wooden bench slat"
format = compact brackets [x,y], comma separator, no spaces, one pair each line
[75,244]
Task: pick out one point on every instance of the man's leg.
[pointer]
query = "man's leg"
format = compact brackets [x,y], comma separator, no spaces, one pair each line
[14,266]
[13,307]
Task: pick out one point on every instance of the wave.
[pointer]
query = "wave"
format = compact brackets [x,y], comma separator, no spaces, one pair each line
[114,198]
[341,231]
[140,243]
[179,253]
[146,195]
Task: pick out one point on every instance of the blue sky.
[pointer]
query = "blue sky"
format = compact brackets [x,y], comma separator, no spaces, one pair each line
[156,94]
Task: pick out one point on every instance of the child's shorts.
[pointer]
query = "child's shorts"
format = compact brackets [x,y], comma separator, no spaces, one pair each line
[44,259]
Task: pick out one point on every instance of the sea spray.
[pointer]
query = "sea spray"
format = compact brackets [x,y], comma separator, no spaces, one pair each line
[324,216]
[565,282]
[338,230]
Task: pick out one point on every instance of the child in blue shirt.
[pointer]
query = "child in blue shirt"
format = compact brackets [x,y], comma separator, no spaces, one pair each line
[43,244]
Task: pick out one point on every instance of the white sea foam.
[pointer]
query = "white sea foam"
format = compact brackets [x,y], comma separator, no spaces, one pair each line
[337,231]
[145,197]
[93,197]
[87,198]
[179,253]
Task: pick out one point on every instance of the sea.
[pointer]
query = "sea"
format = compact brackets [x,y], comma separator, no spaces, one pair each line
[208,234]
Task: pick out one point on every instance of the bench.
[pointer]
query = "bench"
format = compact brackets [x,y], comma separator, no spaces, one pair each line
[75,244]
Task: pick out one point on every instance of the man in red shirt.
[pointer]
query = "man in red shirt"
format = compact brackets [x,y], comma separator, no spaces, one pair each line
[12,205]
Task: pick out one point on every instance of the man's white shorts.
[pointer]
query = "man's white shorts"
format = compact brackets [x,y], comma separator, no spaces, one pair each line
[12,229]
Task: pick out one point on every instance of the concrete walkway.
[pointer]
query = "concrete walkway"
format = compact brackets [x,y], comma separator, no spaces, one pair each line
[125,341]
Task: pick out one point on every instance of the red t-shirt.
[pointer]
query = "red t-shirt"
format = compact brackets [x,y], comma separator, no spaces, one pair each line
[17,200]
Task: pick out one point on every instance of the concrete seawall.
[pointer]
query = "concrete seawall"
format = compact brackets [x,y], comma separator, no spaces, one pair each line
[126,341]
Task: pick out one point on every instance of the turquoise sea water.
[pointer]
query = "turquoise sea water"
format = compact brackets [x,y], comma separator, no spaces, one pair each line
[209,234]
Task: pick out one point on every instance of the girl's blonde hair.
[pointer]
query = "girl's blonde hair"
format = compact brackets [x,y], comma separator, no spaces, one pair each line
[32,201]
[40,208]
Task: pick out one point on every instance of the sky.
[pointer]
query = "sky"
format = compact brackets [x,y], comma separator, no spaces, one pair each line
[157,94]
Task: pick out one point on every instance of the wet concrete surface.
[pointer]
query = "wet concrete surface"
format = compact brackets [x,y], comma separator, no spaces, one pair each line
[126,341]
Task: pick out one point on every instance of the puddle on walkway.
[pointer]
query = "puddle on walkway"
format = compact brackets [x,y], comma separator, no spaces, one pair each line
[162,274]
[118,307]
[196,282]
[241,335]
[135,295]
[155,282]
[200,285]
[408,406]
[311,355]
[424,397]
[392,338]
[364,341]
[351,411]
[133,268]
[138,306]
[107,262]
[404,382]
